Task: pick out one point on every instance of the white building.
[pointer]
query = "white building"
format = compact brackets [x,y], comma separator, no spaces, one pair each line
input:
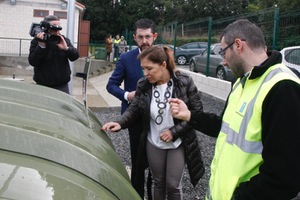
[16,17]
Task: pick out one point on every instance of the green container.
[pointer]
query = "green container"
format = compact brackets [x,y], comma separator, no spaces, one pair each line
[52,147]
[100,53]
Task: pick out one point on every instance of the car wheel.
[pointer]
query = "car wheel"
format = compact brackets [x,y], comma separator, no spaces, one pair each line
[181,60]
[193,67]
[221,73]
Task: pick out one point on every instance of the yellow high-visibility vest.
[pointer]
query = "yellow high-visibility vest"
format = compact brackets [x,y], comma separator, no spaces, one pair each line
[239,145]
[116,42]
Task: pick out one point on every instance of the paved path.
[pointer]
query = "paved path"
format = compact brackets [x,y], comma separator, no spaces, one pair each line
[97,95]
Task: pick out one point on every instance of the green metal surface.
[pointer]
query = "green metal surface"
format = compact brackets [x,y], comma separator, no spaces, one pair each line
[275,32]
[28,177]
[51,126]
[208,46]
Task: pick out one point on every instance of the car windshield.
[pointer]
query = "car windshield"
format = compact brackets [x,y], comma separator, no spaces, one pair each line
[293,56]
[212,47]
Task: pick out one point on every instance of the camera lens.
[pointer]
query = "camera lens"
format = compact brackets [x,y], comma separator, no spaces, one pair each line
[54,39]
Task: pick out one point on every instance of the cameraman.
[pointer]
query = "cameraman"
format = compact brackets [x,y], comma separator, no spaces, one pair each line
[50,57]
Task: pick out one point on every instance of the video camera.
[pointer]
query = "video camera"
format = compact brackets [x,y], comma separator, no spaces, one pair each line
[44,27]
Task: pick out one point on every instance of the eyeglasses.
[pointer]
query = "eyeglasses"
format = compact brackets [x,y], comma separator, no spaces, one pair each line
[142,37]
[223,51]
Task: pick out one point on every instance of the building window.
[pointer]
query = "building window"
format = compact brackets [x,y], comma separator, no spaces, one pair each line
[60,14]
[40,13]
[12,2]
[64,6]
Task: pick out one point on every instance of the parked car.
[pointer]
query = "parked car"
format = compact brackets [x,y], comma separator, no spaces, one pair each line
[130,47]
[167,45]
[184,53]
[291,57]
[51,147]
[216,69]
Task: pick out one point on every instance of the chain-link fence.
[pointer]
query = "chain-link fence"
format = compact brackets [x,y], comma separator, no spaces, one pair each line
[280,29]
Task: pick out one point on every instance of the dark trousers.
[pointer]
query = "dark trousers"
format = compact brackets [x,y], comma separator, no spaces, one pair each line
[137,182]
[63,88]
[116,53]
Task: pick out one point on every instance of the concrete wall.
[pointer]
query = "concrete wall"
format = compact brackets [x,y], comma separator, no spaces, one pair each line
[212,86]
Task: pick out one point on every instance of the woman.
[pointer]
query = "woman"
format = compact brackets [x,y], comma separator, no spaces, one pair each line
[109,43]
[166,143]
[122,45]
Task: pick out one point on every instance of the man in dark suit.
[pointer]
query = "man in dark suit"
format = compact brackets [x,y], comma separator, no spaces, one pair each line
[128,69]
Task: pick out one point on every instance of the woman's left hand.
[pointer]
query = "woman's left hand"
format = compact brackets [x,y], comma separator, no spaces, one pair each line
[166,136]
[111,126]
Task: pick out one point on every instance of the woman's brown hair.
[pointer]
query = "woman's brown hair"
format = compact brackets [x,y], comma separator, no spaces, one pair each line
[158,55]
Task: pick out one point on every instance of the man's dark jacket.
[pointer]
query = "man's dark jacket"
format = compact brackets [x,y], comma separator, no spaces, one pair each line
[51,64]
[128,69]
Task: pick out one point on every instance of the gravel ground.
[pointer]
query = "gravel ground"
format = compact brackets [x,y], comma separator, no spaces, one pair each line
[121,143]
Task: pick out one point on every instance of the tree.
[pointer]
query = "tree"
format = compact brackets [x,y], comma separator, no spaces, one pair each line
[115,16]
[284,5]
[102,16]
[132,10]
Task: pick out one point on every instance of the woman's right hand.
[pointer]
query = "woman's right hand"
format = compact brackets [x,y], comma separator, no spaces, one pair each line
[111,126]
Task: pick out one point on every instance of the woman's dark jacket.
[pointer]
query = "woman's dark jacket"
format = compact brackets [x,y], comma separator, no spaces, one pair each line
[51,64]
[184,89]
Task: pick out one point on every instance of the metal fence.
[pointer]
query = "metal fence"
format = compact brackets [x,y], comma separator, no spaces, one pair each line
[280,29]
[14,46]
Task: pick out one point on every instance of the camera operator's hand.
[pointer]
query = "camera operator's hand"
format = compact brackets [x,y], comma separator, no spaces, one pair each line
[62,45]
[41,36]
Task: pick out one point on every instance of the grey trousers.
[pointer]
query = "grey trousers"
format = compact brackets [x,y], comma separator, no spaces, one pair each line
[167,166]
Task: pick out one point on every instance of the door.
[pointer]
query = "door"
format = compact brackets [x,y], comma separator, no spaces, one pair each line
[84,38]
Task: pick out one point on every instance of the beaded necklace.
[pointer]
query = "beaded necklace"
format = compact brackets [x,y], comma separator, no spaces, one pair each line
[162,104]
